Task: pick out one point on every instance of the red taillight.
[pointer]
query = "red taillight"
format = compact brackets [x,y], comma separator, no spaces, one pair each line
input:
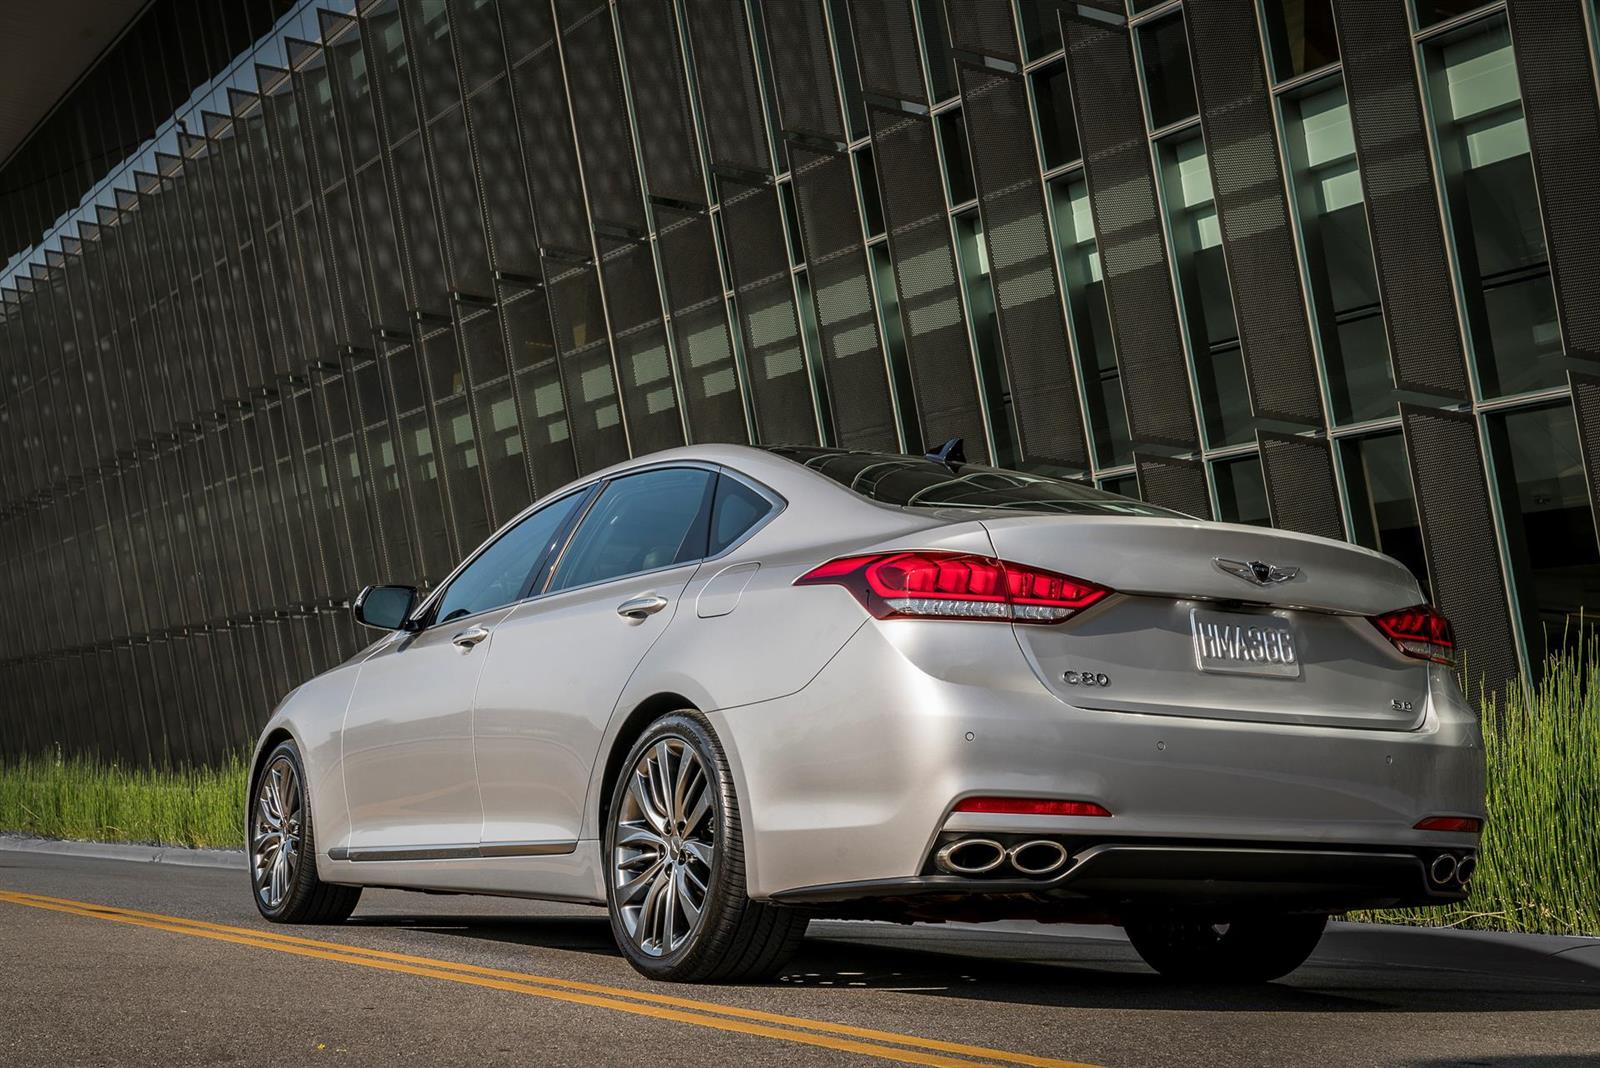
[933,584]
[1421,632]
[1453,824]
[1030,806]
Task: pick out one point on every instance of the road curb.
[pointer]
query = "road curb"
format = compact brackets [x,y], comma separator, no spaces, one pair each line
[230,859]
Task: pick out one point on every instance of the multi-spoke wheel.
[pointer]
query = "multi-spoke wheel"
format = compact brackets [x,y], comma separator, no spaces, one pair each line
[275,837]
[283,867]
[675,877]
[664,847]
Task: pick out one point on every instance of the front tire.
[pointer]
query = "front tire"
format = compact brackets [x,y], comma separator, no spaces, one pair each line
[283,849]
[1257,949]
[674,863]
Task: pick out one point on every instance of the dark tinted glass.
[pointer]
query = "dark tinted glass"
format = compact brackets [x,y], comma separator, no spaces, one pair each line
[501,572]
[1431,11]
[1168,81]
[1058,132]
[914,482]
[1301,35]
[640,523]
[1383,512]
[736,509]
[957,159]
[1545,498]
[1241,492]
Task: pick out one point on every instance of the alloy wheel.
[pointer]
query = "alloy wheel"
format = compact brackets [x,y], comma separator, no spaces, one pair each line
[663,845]
[275,832]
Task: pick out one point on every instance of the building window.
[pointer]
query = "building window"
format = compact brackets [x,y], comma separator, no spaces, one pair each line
[1550,529]
[1127,485]
[1168,81]
[1344,285]
[1091,326]
[1241,491]
[1494,209]
[1300,36]
[1052,101]
[1383,512]
[957,157]
[1041,25]
[1430,12]
[1203,282]
[986,333]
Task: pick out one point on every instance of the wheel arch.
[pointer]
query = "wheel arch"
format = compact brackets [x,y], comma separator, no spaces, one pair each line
[628,731]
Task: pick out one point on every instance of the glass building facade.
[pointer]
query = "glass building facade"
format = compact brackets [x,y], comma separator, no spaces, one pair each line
[299,297]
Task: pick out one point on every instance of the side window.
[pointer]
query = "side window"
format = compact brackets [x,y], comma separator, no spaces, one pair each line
[640,522]
[501,572]
[736,509]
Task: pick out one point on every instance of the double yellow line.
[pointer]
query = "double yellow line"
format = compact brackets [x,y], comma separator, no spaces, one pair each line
[888,1045]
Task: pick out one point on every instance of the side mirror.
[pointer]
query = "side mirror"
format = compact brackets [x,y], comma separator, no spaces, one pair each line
[385,607]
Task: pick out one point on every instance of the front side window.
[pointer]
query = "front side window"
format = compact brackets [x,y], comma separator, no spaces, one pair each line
[502,573]
[639,523]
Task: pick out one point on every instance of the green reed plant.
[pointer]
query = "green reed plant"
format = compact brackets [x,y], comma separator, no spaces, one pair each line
[1539,866]
[78,798]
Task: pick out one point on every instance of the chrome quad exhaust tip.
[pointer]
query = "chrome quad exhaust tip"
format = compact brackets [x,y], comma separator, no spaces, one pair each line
[1465,869]
[1038,857]
[971,856]
[1443,869]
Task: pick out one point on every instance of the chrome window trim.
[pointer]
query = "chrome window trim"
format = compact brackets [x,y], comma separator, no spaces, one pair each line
[590,486]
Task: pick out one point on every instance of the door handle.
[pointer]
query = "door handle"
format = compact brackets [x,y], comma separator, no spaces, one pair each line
[634,609]
[469,637]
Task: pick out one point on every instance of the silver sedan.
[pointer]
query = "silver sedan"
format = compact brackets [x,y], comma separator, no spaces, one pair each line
[720,690]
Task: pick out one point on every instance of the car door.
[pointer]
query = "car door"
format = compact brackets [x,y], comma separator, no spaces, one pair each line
[561,659]
[409,768]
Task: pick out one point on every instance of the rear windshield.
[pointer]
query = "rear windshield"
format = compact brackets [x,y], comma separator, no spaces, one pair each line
[916,482]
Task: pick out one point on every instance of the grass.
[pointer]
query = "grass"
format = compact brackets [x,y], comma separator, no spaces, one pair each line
[1539,867]
[77,798]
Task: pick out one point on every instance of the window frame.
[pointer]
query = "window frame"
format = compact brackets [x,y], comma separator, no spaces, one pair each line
[552,566]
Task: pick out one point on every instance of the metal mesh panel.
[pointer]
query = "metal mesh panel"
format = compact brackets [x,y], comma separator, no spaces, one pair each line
[1586,411]
[706,364]
[1022,267]
[547,148]
[1302,494]
[492,127]
[885,34]
[982,26]
[1253,208]
[1463,563]
[588,378]
[609,171]
[1408,249]
[467,253]
[541,404]
[847,320]
[1127,224]
[661,101]
[774,353]
[725,68]
[475,32]
[802,67]
[1558,100]
[649,394]
[1172,483]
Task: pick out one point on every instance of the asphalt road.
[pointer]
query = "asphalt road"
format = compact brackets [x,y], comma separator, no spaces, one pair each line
[113,962]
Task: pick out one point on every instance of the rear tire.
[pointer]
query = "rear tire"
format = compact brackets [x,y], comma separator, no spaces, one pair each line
[674,865]
[283,848]
[1256,949]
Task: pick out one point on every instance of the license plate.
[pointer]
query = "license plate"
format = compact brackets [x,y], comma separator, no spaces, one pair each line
[1231,643]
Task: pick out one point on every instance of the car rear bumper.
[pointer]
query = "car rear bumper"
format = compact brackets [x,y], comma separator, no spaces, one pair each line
[847,786]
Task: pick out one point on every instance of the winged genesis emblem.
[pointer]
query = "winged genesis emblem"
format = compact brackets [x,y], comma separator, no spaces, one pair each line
[1256,571]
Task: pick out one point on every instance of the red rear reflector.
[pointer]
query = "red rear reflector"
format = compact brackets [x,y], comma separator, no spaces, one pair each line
[1453,824]
[1030,806]
[933,584]
[1420,632]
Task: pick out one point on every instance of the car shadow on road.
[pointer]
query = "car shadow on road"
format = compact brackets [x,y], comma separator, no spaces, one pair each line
[1061,972]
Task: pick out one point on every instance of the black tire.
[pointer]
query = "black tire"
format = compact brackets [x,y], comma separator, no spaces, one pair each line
[302,897]
[734,939]
[1256,949]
